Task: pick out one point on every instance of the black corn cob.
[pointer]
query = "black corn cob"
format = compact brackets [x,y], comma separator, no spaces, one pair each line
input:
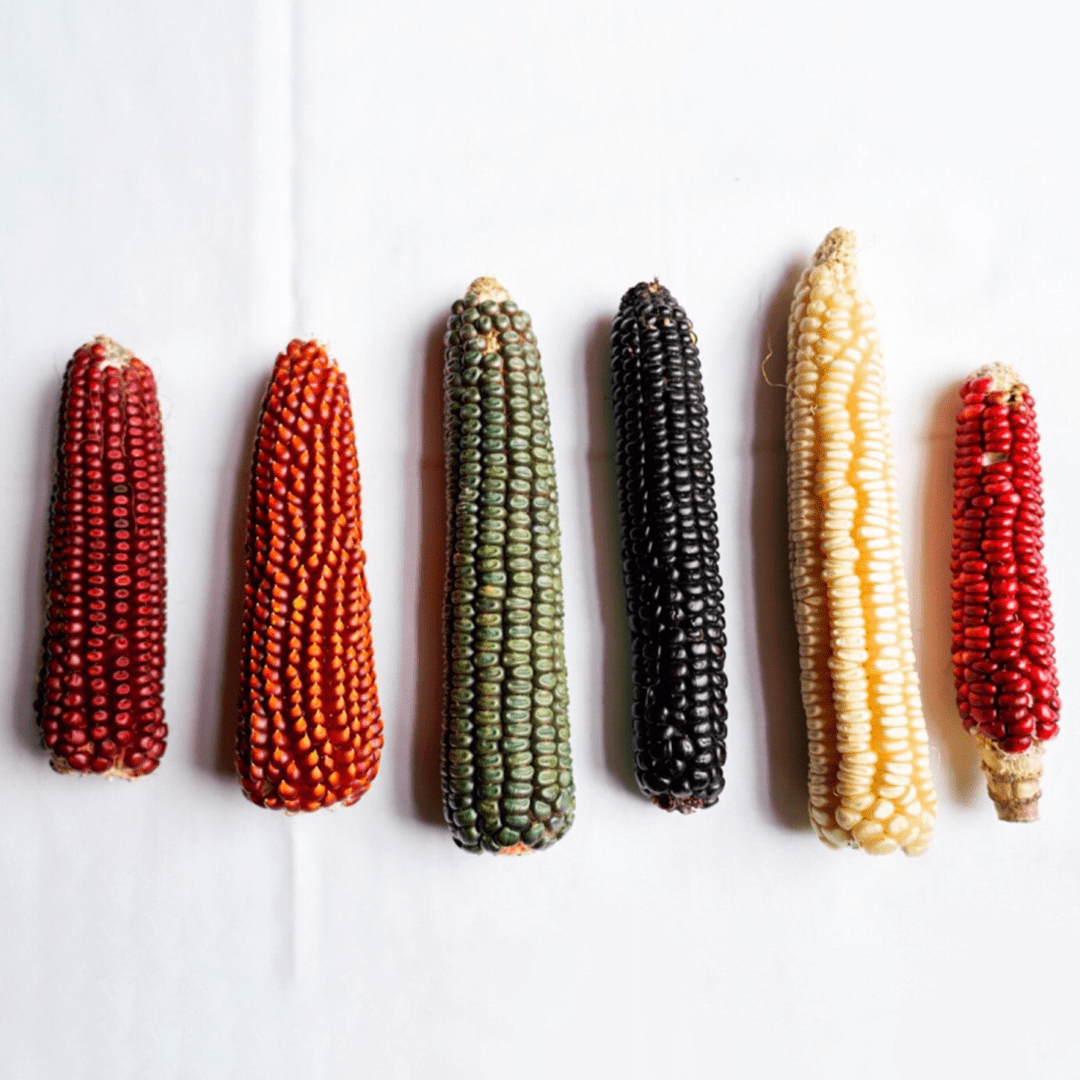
[674,596]
[507,784]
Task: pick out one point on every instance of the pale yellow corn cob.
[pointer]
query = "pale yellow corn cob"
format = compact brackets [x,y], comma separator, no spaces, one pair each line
[870,783]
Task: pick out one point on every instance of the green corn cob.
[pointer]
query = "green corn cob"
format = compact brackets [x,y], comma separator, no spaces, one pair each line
[507,782]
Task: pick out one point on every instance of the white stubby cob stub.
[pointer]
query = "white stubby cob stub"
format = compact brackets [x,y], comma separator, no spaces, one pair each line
[870,784]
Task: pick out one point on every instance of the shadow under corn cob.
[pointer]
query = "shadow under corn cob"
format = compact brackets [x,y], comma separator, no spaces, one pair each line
[99,703]
[674,597]
[506,775]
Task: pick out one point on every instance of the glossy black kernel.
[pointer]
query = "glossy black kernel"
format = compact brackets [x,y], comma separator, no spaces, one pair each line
[671,576]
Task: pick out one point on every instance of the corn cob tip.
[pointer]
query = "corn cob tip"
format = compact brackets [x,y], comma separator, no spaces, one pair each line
[488,288]
[115,354]
[1012,779]
[1004,379]
[837,247]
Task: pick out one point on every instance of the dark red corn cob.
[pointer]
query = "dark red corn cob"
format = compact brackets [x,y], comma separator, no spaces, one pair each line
[1003,650]
[310,731]
[99,703]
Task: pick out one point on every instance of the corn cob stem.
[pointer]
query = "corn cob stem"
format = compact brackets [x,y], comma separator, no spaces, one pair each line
[506,772]
[310,730]
[870,782]
[1003,654]
[1012,780]
[99,701]
[671,572]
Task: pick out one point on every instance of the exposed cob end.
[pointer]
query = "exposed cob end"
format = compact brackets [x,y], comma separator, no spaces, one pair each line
[115,355]
[1012,779]
[488,288]
[60,765]
[837,248]
[684,805]
[1003,380]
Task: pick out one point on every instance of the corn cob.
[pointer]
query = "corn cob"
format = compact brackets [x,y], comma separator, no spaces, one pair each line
[870,782]
[99,706]
[1003,652]
[309,732]
[506,770]
[670,553]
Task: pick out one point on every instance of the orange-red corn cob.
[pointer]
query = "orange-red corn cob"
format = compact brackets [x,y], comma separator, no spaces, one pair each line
[1003,650]
[309,732]
[99,694]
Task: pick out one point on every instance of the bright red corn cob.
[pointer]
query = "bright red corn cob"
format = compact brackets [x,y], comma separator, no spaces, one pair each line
[99,694]
[1003,652]
[310,731]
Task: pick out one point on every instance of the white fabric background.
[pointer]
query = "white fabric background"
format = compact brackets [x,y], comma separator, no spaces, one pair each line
[204,180]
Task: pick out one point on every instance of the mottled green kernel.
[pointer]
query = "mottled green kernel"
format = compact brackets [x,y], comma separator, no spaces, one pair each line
[534,835]
[508,837]
[506,606]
